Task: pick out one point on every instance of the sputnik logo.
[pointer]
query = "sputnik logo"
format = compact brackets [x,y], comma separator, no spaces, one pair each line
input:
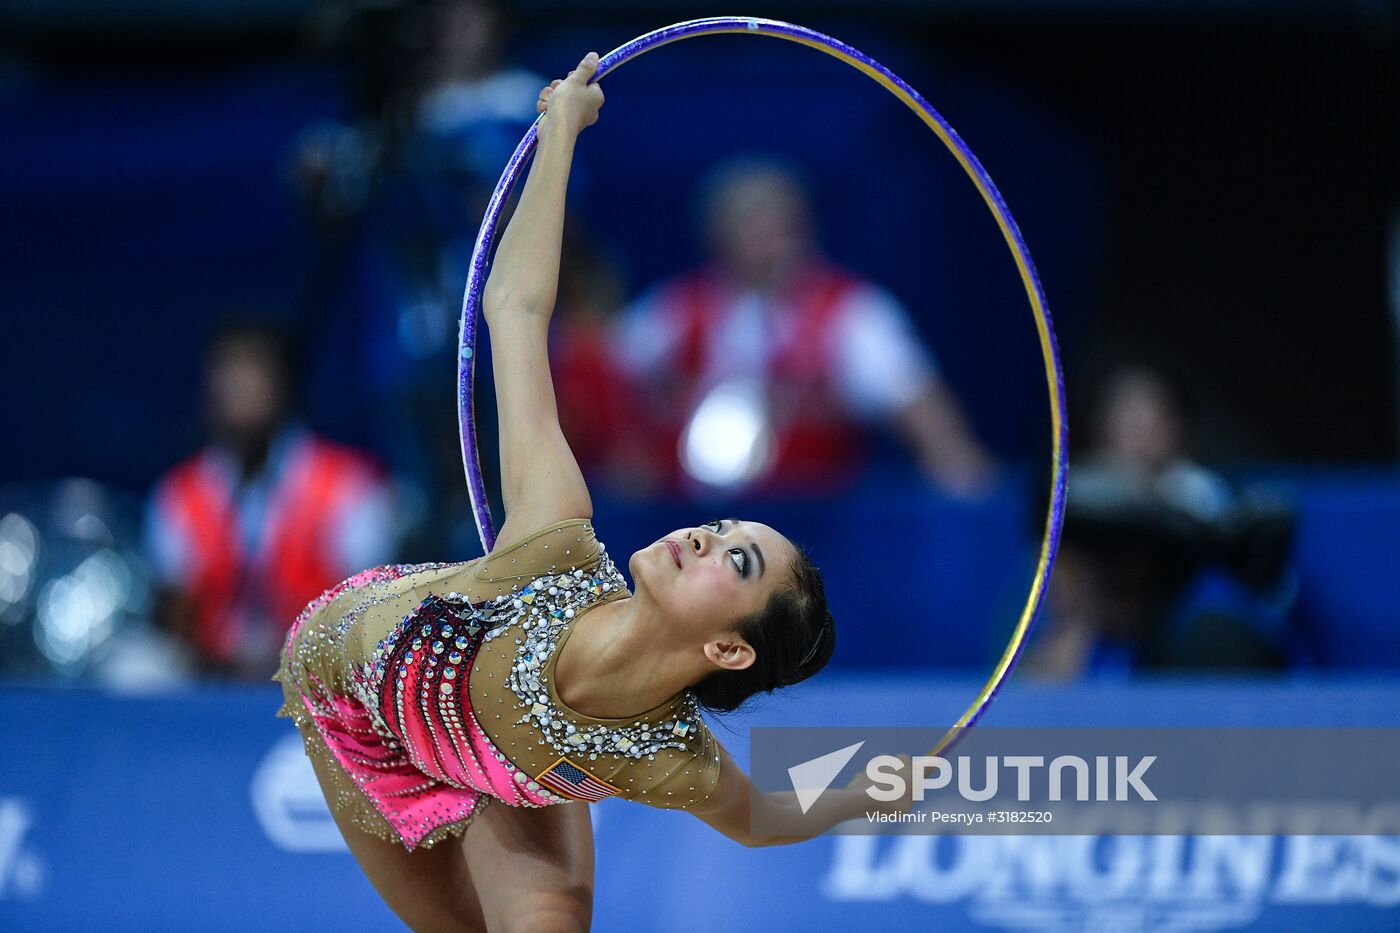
[811,778]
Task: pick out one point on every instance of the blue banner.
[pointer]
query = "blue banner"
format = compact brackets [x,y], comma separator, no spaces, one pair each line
[199,811]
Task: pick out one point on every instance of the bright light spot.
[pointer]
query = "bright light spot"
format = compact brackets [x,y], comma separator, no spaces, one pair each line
[78,611]
[19,548]
[64,614]
[729,440]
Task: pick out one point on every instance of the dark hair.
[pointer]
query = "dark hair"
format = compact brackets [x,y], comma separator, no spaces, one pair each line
[793,637]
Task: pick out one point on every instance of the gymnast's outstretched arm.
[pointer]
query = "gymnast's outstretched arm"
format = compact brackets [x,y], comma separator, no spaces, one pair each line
[734,807]
[540,479]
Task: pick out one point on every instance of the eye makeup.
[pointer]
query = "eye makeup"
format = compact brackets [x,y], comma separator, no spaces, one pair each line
[744,565]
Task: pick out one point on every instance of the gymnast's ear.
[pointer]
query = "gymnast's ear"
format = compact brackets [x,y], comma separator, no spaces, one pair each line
[730,652]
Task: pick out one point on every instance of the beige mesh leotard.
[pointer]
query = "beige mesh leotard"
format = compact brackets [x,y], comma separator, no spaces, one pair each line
[429,690]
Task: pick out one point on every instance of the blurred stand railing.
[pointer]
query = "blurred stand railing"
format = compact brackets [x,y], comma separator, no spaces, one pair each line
[915,580]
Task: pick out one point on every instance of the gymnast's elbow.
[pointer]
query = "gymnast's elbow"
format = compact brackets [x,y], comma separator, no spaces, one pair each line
[503,301]
[744,836]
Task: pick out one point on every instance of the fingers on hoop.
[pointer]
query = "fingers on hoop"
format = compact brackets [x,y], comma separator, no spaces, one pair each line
[542,104]
[587,67]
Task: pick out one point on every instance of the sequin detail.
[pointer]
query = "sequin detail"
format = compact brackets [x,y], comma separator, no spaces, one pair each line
[368,777]
[392,715]
[549,605]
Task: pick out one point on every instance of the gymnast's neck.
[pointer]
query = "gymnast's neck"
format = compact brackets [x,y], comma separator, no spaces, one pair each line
[620,660]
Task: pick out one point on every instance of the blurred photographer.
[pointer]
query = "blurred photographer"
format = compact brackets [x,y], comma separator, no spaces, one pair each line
[394,196]
[1163,564]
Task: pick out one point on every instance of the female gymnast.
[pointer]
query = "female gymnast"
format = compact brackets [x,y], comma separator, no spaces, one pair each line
[425,692]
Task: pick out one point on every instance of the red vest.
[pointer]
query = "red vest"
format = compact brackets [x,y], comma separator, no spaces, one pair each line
[817,444]
[297,559]
[597,409]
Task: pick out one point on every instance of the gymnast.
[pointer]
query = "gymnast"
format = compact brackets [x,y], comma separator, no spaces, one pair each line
[456,741]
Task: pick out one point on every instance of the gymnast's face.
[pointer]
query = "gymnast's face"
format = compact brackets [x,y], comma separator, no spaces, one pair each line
[705,579]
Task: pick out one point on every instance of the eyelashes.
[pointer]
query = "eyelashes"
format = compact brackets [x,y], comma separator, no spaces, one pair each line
[739,556]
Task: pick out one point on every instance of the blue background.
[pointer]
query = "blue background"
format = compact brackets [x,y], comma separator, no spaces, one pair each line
[142,813]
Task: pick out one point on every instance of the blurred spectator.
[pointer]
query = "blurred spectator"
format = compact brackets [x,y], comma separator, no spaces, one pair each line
[598,411]
[439,115]
[765,369]
[472,104]
[264,518]
[1141,445]
[1163,564]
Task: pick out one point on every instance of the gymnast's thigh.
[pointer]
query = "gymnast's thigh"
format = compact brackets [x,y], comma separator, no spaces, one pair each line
[533,867]
[429,889]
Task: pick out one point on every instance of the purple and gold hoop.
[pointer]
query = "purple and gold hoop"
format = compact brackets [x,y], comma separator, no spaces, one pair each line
[1054,374]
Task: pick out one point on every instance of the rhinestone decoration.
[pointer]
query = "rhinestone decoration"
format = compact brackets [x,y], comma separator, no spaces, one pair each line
[417,674]
[549,605]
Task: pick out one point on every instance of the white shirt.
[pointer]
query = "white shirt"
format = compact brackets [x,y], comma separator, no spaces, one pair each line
[879,364]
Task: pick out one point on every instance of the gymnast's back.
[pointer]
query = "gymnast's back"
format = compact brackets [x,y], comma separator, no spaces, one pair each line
[350,619]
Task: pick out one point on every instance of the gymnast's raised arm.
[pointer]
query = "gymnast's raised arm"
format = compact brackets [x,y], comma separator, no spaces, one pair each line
[540,479]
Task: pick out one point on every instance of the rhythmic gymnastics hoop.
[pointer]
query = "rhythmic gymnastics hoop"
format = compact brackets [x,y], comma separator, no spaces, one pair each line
[1054,373]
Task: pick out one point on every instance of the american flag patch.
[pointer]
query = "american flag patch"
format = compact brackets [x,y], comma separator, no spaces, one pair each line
[566,778]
